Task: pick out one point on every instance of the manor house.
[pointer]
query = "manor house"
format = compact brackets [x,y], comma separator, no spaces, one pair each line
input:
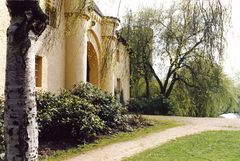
[79,44]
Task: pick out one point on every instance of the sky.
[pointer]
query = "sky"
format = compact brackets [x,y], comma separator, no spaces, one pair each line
[117,8]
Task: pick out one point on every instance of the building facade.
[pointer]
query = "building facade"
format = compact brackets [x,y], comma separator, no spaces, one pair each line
[79,45]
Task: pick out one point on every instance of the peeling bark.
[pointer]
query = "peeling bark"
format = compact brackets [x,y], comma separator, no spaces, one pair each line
[21,133]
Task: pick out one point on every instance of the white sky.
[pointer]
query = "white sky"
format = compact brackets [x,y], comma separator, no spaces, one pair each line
[232,56]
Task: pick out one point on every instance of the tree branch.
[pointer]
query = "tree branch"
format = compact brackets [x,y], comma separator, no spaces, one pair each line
[156,77]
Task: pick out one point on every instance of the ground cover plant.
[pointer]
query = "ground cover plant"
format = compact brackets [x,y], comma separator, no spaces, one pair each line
[213,145]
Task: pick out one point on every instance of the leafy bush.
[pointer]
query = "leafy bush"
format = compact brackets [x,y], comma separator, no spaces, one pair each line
[1,125]
[155,106]
[67,117]
[47,107]
[81,114]
[111,110]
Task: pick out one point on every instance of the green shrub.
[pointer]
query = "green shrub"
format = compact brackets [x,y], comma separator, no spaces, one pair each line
[111,110]
[67,117]
[1,125]
[81,114]
[153,106]
[47,107]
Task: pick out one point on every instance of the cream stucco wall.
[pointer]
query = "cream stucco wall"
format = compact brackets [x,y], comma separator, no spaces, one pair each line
[51,47]
[76,49]
[122,71]
[64,52]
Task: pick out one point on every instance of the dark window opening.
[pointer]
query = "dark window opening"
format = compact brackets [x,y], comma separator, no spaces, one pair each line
[38,71]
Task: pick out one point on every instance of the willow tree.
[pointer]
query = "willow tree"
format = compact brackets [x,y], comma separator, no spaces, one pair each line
[211,92]
[21,133]
[188,31]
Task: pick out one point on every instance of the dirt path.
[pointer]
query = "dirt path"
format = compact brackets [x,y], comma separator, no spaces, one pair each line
[118,151]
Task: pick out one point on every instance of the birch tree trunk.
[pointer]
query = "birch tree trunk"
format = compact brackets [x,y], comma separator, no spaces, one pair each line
[21,132]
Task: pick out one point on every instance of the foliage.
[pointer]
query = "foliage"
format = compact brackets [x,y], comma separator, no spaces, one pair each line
[111,110]
[213,145]
[185,31]
[138,89]
[156,106]
[137,30]
[209,94]
[47,106]
[67,117]
[81,114]
[1,125]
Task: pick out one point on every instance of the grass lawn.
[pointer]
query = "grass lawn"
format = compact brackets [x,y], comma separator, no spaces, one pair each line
[158,125]
[213,145]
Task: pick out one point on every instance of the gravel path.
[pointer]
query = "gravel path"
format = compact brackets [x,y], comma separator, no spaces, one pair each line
[118,151]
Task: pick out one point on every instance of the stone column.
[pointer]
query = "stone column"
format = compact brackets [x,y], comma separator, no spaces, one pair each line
[109,48]
[76,44]
[107,80]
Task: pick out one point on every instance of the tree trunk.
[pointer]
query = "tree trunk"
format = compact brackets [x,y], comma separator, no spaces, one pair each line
[147,86]
[21,133]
